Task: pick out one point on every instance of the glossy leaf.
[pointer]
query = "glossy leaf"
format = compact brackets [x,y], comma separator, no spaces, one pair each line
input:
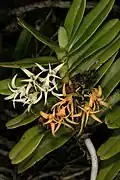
[22,45]
[74,17]
[48,144]
[39,36]
[28,117]
[4,89]
[109,51]
[111,79]
[101,56]
[111,147]
[109,168]
[22,119]
[30,62]
[27,144]
[101,38]
[62,37]
[97,59]
[103,69]
[27,136]
[113,118]
[114,98]
[91,23]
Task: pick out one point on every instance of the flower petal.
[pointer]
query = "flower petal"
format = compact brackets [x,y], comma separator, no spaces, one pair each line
[13,82]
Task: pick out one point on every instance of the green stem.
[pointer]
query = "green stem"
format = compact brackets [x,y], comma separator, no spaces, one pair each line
[64,71]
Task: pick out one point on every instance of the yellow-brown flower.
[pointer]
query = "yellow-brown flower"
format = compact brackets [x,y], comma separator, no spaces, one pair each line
[96,99]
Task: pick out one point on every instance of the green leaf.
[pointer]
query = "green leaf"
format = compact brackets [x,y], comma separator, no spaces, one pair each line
[109,51]
[91,23]
[103,40]
[28,117]
[39,36]
[97,59]
[48,144]
[27,144]
[111,79]
[62,37]
[114,98]
[112,101]
[109,168]
[103,69]
[103,37]
[4,89]
[111,147]
[30,62]
[23,119]
[113,118]
[74,17]
[22,45]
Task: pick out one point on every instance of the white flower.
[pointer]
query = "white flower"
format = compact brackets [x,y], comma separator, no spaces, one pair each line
[35,86]
[46,88]
[32,78]
[17,91]
[54,71]
[31,99]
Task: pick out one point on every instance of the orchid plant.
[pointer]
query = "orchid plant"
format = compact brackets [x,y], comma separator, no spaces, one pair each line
[63,96]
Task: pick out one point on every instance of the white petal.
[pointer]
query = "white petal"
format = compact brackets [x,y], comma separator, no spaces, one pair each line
[13,82]
[27,80]
[27,72]
[29,107]
[28,88]
[56,94]
[54,84]
[39,87]
[55,70]
[41,68]
[45,94]
[9,97]
[36,77]
[50,68]
[47,81]
[50,89]
[39,98]
[20,100]
[12,90]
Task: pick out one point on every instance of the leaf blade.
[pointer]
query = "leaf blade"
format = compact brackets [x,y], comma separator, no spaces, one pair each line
[30,62]
[47,145]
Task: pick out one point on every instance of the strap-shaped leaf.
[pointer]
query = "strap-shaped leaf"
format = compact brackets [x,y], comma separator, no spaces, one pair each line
[91,23]
[109,168]
[100,38]
[74,17]
[97,59]
[114,98]
[103,69]
[27,144]
[109,51]
[62,37]
[28,117]
[22,45]
[111,79]
[30,62]
[39,36]
[48,144]
[104,36]
[103,40]
[4,89]
[111,147]
[113,118]
[23,119]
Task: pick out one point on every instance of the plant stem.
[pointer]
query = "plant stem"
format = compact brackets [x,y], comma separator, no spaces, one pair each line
[94,159]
